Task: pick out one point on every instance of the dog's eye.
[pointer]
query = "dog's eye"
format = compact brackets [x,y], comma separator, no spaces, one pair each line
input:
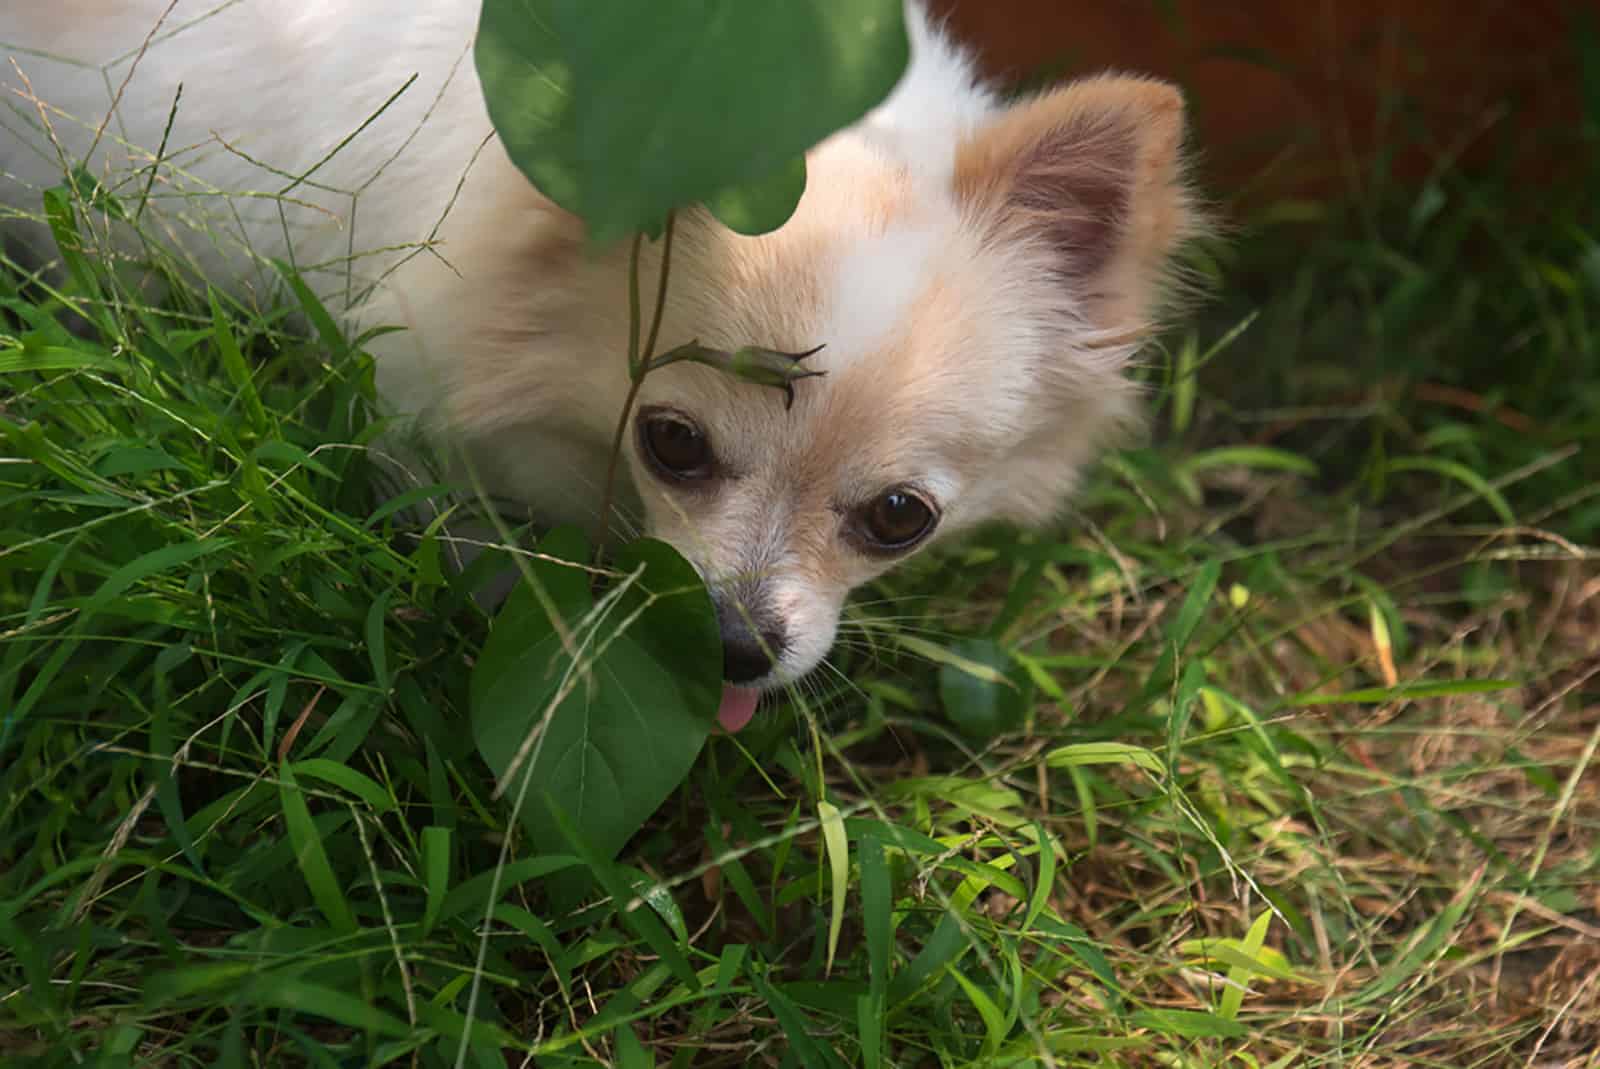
[895,520]
[674,446]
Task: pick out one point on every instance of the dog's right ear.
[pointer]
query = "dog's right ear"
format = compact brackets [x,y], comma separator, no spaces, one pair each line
[1093,173]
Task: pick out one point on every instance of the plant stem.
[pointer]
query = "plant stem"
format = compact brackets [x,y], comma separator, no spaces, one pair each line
[633,316]
[661,291]
[638,361]
[616,454]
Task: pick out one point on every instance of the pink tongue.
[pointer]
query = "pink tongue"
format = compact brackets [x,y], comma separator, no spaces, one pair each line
[738,706]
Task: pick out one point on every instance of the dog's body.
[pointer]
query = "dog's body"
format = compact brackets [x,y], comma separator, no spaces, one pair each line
[979,275]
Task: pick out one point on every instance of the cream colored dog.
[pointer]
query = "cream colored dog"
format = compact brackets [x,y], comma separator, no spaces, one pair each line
[978,272]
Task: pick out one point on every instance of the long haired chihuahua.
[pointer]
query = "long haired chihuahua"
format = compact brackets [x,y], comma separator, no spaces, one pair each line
[979,273]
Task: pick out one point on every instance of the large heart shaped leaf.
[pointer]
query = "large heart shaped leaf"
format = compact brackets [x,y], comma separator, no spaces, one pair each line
[621,112]
[609,733]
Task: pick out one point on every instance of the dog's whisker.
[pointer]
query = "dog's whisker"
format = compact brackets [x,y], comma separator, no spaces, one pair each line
[851,685]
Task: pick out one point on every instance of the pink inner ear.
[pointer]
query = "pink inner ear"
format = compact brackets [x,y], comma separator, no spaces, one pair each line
[1092,171]
[1075,185]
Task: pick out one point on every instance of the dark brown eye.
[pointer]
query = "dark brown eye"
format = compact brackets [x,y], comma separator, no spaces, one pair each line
[896,519]
[674,446]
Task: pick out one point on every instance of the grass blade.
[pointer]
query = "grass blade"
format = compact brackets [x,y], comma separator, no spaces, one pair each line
[1078,754]
[435,873]
[1423,688]
[837,849]
[310,855]
[1239,977]
[876,919]
[994,1022]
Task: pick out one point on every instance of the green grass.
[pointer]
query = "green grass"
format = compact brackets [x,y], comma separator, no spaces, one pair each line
[1307,774]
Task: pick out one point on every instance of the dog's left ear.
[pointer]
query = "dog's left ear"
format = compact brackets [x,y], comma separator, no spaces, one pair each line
[1093,173]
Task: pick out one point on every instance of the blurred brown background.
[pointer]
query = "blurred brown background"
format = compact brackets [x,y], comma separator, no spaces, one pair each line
[1306,98]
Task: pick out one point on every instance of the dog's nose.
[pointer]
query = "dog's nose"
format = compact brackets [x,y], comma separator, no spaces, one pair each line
[745,656]
[744,660]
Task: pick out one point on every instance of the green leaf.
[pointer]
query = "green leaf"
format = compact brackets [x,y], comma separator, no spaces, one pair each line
[1061,1041]
[156,562]
[1239,974]
[40,357]
[290,456]
[876,919]
[942,655]
[1462,474]
[233,363]
[1423,944]
[737,876]
[377,644]
[982,691]
[164,988]
[763,205]
[455,1026]
[539,934]
[1045,883]
[1021,989]
[629,905]
[869,1030]
[1263,961]
[166,559]
[471,896]
[357,783]
[1422,688]
[1185,384]
[658,897]
[838,850]
[1088,808]
[1188,1023]
[1164,675]
[613,733]
[631,1054]
[878,925]
[315,311]
[1105,753]
[793,1024]
[944,947]
[1258,457]
[994,1022]
[621,113]
[435,873]
[405,500]
[310,855]
[292,993]
[63,222]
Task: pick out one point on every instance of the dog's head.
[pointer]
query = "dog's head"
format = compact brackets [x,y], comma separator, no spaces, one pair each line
[977,307]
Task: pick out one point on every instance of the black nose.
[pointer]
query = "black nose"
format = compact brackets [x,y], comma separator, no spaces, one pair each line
[744,655]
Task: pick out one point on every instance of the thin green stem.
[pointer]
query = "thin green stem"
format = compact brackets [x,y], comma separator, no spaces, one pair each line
[633,310]
[661,290]
[616,452]
[638,361]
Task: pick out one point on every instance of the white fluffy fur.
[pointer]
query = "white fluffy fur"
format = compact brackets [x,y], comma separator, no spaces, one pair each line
[966,358]
[938,101]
